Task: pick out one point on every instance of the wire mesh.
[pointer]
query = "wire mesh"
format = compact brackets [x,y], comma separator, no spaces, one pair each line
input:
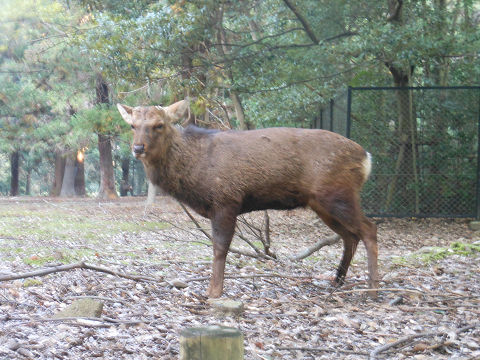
[424,143]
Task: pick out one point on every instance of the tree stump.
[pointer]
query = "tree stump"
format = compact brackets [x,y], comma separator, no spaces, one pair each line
[211,343]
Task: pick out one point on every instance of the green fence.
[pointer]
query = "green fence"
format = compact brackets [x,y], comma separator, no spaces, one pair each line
[424,143]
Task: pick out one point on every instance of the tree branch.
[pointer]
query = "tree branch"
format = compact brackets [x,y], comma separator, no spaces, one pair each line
[318,245]
[199,227]
[395,10]
[303,21]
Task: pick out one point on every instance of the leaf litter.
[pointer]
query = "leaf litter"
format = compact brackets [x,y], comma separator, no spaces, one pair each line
[428,309]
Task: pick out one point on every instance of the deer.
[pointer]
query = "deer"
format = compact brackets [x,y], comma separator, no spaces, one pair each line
[222,174]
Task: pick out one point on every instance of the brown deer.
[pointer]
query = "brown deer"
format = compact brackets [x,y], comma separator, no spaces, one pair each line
[221,174]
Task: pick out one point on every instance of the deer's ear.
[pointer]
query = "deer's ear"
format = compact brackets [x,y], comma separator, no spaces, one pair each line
[178,111]
[126,112]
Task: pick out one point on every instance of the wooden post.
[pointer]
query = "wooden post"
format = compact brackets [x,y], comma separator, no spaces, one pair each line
[211,343]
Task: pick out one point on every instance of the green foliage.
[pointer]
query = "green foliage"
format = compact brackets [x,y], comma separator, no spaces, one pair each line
[156,52]
[4,174]
[101,119]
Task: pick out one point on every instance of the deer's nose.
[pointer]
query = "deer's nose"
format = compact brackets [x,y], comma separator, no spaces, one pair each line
[138,149]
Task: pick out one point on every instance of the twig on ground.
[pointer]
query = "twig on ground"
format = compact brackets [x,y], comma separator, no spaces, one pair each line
[285,276]
[416,292]
[409,338]
[308,349]
[78,265]
[89,321]
[103,298]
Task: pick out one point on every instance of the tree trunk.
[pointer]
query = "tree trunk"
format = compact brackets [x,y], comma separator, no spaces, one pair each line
[107,176]
[14,168]
[236,100]
[237,103]
[59,171]
[125,186]
[406,127]
[80,174]
[68,183]
[407,151]
[28,182]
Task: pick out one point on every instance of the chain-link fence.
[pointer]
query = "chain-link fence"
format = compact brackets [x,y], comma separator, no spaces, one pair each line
[334,116]
[424,143]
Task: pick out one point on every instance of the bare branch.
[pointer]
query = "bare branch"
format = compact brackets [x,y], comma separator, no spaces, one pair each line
[199,227]
[41,272]
[258,254]
[303,21]
[266,244]
[318,245]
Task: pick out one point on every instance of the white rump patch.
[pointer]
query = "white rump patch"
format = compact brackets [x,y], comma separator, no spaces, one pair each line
[367,166]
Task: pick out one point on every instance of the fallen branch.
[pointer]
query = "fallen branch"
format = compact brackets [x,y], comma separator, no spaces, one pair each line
[301,348]
[409,338]
[78,265]
[103,298]
[416,292]
[102,322]
[284,276]
[318,245]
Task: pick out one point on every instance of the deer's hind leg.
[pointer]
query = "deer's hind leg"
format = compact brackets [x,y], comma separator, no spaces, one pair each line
[341,212]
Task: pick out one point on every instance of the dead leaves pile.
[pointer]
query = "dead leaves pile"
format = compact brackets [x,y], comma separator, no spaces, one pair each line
[427,309]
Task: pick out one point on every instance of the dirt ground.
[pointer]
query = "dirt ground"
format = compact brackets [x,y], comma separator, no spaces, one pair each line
[428,308]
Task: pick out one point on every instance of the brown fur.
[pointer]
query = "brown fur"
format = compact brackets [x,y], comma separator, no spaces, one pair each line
[224,174]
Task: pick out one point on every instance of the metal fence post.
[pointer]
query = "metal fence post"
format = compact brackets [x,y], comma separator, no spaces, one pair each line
[321,119]
[349,112]
[478,160]
[331,114]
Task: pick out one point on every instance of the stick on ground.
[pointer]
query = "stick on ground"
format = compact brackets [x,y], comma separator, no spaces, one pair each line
[78,265]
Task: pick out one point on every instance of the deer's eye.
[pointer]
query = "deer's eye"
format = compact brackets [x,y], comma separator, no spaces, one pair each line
[158,127]
[133,127]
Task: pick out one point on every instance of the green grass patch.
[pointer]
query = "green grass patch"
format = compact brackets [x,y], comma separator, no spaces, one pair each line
[436,253]
[67,227]
[42,256]
[457,248]
[31,282]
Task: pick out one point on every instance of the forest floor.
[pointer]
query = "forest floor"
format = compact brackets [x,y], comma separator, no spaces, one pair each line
[429,307]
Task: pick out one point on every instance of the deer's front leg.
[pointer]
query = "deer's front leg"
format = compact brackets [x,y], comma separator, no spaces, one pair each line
[223,227]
